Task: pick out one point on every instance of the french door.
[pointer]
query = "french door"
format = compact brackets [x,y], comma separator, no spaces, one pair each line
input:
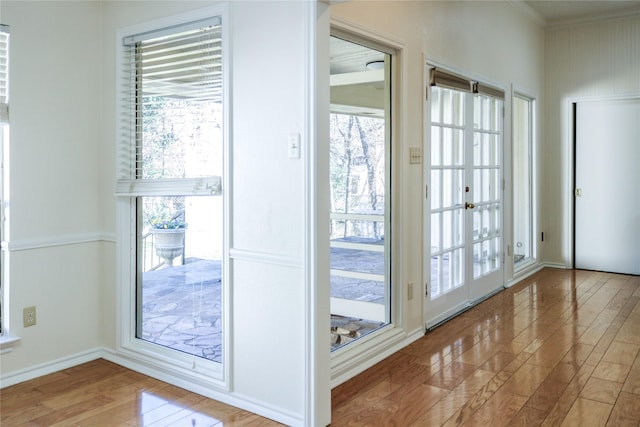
[463,196]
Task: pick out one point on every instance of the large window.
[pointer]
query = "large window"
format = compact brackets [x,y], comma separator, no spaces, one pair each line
[360,152]
[171,169]
[523,233]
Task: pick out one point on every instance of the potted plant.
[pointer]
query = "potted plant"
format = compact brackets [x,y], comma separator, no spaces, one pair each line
[168,235]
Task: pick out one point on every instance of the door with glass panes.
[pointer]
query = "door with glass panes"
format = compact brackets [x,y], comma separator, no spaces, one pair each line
[464,194]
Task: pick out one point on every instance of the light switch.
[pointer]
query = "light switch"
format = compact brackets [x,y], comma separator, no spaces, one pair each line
[415,155]
[294,145]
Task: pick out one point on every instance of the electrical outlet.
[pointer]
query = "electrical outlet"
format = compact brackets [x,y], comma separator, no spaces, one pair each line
[29,316]
[410,291]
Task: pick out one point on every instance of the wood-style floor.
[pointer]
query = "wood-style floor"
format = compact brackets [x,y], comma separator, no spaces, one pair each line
[561,348]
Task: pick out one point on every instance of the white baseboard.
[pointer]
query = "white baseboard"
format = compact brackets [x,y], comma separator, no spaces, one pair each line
[556,265]
[33,372]
[354,364]
[236,400]
[528,271]
[229,398]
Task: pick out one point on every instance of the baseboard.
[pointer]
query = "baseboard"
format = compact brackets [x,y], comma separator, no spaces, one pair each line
[527,272]
[556,265]
[363,359]
[47,368]
[230,398]
[235,400]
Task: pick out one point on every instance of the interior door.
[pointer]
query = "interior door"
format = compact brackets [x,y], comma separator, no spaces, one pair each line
[607,193]
[464,203]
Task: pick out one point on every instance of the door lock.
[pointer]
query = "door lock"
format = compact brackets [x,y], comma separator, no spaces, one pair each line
[468,205]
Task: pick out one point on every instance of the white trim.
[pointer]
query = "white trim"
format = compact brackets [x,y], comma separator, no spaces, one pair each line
[556,265]
[369,350]
[351,362]
[167,376]
[180,368]
[526,10]
[434,321]
[593,18]
[7,342]
[530,270]
[54,241]
[358,309]
[49,367]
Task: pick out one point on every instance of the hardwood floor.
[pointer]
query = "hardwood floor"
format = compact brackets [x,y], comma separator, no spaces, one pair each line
[560,349]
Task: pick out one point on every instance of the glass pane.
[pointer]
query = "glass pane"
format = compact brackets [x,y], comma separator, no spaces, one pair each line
[179,117]
[436,189]
[458,148]
[180,250]
[435,232]
[458,226]
[458,109]
[486,150]
[522,180]
[436,144]
[447,146]
[447,229]
[477,260]
[448,107]
[436,105]
[359,153]
[486,185]
[477,148]
[457,269]
[436,269]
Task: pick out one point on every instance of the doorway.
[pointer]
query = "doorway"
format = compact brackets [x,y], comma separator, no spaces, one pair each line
[464,201]
[607,186]
[360,198]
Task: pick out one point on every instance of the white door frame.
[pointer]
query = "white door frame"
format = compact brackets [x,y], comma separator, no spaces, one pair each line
[506,165]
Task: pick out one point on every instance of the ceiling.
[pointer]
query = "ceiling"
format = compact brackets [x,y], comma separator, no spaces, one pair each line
[558,11]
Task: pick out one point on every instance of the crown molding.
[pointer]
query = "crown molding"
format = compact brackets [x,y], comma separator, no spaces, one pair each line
[593,18]
[529,12]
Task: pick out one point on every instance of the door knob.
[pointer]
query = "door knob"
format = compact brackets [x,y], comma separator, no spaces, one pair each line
[468,205]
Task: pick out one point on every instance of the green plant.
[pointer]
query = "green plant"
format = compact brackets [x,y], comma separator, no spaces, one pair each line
[167,224]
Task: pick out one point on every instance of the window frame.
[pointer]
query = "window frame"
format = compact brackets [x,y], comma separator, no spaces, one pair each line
[524,267]
[199,371]
[6,339]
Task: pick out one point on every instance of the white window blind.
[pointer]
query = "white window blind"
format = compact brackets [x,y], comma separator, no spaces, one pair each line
[4,74]
[171,111]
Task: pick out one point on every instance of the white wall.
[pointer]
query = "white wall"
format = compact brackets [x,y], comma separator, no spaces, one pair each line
[490,40]
[63,143]
[270,230]
[55,227]
[593,60]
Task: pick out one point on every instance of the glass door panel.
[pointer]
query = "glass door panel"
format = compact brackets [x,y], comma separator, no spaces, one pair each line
[464,201]
[180,247]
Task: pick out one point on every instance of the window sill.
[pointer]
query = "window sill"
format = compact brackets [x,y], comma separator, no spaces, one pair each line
[7,343]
